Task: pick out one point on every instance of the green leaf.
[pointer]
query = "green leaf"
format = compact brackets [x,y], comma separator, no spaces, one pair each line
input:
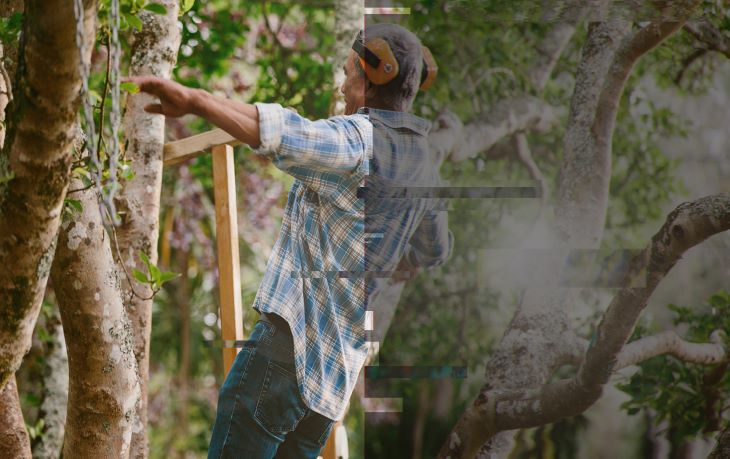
[156,8]
[186,5]
[126,172]
[134,21]
[74,205]
[145,259]
[129,87]
[155,274]
[140,276]
[168,276]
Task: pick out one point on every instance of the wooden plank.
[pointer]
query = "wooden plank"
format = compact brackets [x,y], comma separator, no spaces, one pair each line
[193,146]
[226,228]
[330,451]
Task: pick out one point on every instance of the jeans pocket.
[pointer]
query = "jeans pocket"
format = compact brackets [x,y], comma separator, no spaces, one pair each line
[327,432]
[280,407]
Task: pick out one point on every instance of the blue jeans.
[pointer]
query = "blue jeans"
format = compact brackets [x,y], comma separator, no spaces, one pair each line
[261,413]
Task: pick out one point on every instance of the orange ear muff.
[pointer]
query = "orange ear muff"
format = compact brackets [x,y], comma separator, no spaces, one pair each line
[381,66]
[430,69]
[387,67]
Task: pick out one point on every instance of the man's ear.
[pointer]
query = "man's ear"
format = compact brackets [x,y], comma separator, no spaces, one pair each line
[371,90]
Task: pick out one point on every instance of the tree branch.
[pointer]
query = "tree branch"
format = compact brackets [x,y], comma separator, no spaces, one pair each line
[498,410]
[669,342]
[461,142]
[525,157]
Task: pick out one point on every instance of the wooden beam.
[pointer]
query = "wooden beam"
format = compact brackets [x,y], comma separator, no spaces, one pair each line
[331,448]
[226,229]
[194,146]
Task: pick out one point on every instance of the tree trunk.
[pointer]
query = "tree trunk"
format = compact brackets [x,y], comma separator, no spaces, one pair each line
[536,335]
[348,21]
[154,53]
[55,392]
[34,166]
[104,389]
[540,336]
[14,441]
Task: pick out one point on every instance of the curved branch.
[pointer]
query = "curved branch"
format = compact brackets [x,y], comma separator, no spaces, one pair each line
[687,62]
[499,410]
[705,32]
[687,226]
[669,342]
[525,157]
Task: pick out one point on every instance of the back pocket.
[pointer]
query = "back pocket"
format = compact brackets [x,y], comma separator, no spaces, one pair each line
[280,407]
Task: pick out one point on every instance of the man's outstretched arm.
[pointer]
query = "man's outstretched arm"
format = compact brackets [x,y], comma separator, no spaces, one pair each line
[239,119]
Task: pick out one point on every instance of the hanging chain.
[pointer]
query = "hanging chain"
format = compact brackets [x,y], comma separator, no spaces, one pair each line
[114,117]
[97,169]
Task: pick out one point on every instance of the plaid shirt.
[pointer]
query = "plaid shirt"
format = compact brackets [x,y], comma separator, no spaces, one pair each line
[346,225]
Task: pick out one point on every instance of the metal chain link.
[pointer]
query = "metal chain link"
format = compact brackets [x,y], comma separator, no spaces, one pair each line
[96,172]
[114,115]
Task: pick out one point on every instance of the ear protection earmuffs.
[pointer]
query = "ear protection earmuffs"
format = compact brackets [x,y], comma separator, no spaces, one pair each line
[381,66]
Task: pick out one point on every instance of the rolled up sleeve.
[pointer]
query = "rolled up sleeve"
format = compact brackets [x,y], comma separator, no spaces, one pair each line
[301,147]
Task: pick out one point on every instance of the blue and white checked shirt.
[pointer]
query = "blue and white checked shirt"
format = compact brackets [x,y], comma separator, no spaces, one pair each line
[348,221]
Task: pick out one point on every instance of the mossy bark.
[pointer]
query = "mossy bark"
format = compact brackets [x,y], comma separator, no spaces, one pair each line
[37,157]
[103,389]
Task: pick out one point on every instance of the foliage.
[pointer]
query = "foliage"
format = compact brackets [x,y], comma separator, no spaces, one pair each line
[689,396]
[10,27]
[154,276]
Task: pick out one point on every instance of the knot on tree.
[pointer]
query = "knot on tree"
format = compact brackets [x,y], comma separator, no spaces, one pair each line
[678,232]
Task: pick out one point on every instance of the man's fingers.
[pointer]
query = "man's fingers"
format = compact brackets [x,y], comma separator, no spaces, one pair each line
[146,84]
[153,108]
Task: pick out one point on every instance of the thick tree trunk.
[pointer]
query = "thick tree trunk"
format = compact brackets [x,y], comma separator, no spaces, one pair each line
[14,441]
[104,389]
[154,53]
[540,335]
[536,337]
[34,167]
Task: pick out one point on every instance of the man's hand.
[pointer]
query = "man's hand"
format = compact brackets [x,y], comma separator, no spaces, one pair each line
[236,118]
[175,99]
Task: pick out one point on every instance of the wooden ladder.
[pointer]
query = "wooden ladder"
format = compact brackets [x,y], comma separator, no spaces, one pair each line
[221,144]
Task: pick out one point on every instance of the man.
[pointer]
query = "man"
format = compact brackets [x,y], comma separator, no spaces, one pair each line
[338,241]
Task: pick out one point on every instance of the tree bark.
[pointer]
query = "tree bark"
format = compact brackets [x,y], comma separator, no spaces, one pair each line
[14,441]
[349,19]
[722,448]
[154,53]
[55,393]
[34,167]
[104,389]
